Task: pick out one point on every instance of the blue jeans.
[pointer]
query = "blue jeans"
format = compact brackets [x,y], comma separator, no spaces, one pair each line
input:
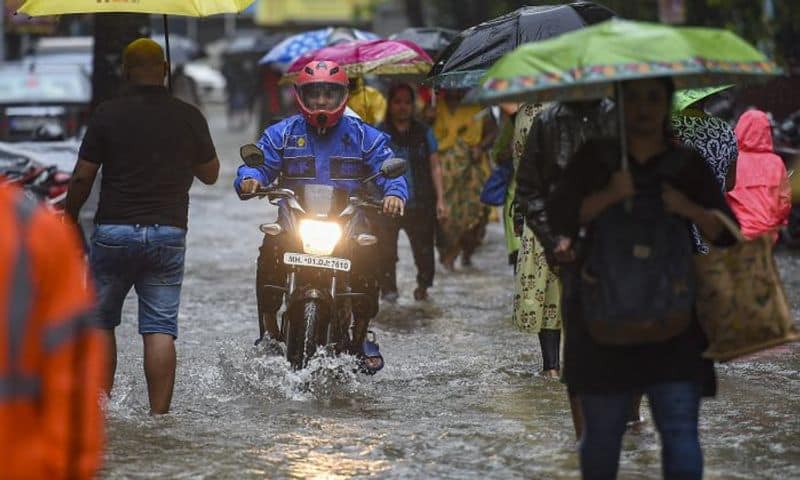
[675,408]
[147,258]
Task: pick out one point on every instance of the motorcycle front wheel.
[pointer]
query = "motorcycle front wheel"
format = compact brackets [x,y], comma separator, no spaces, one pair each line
[304,333]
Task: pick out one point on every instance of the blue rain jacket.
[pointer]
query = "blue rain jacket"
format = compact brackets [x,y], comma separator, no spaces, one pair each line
[346,153]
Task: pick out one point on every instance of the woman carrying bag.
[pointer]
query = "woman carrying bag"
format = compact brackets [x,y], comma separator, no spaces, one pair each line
[629,283]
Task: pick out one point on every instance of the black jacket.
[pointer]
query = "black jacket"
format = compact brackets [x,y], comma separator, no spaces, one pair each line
[414,145]
[555,135]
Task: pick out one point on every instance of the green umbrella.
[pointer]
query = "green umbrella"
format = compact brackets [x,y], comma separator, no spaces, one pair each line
[586,64]
[593,62]
[684,99]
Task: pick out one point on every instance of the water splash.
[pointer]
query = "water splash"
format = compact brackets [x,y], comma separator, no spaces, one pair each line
[263,370]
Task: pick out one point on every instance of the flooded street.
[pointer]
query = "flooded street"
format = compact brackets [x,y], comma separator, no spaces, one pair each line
[459,397]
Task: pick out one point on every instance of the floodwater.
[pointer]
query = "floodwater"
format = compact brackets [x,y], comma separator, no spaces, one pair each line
[459,397]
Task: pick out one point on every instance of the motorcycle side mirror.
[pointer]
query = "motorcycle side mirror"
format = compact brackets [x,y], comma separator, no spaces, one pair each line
[251,155]
[393,167]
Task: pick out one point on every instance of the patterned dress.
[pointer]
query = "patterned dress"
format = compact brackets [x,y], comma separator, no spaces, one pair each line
[522,125]
[463,177]
[715,141]
[537,289]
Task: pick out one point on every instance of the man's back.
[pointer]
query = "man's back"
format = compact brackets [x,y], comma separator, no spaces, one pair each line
[150,145]
[147,142]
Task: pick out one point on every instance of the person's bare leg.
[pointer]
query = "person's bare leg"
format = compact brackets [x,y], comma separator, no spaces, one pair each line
[159,370]
[635,420]
[109,340]
[577,415]
[447,257]
[636,408]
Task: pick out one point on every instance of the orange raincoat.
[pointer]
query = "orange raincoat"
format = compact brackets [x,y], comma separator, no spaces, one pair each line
[761,197]
[51,420]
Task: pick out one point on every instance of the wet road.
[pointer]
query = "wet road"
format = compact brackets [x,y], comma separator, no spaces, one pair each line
[458,398]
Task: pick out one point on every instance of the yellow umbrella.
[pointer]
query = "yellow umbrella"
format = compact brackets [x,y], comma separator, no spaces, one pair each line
[190,8]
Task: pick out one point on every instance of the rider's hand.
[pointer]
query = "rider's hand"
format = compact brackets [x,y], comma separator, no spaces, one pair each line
[249,185]
[394,206]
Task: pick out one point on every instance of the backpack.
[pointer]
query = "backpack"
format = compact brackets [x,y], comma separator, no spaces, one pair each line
[637,284]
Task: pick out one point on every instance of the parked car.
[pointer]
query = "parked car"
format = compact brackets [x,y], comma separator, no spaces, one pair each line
[62,51]
[41,101]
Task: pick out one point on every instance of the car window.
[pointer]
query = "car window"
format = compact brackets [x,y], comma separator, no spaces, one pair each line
[19,86]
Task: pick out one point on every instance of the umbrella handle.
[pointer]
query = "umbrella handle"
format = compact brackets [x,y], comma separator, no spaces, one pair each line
[620,97]
[169,60]
[624,160]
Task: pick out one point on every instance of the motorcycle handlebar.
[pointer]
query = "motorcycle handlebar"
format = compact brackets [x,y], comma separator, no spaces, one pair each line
[376,204]
[275,193]
[270,193]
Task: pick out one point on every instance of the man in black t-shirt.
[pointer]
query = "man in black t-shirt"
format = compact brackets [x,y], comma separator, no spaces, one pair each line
[150,146]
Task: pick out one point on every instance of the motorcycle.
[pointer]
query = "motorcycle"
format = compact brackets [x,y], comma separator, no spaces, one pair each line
[320,231]
[47,184]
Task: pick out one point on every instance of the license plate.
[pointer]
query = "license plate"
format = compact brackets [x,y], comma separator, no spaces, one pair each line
[305,260]
[25,123]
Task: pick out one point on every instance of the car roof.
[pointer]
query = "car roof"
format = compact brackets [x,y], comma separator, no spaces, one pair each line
[77,89]
[30,67]
[65,44]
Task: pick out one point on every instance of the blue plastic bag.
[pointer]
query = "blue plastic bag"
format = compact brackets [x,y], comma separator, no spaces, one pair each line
[495,189]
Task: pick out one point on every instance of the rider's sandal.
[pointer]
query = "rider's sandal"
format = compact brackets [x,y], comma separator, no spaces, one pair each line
[372,360]
[269,344]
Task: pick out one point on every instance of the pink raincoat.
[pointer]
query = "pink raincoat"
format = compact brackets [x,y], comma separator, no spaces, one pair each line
[761,198]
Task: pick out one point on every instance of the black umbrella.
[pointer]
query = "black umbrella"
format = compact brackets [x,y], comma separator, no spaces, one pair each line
[240,57]
[433,40]
[462,64]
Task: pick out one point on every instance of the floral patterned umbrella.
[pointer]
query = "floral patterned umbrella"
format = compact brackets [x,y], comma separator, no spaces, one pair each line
[369,57]
[282,55]
[593,62]
[589,63]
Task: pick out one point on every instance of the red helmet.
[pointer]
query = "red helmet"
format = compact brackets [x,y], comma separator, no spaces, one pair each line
[321,93]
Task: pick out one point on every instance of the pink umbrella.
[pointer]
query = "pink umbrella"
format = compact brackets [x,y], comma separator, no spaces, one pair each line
[369,57]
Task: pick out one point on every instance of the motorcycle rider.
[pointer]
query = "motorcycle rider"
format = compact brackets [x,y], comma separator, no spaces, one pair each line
[321,146]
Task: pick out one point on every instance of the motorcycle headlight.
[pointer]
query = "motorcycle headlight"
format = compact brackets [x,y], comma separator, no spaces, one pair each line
[319,238]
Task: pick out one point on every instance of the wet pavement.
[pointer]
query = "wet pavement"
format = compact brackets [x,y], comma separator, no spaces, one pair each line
[459,397]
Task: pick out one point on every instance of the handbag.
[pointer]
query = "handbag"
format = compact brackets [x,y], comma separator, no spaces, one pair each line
[637,283]
[794,185]
[741,303]
[496,186]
